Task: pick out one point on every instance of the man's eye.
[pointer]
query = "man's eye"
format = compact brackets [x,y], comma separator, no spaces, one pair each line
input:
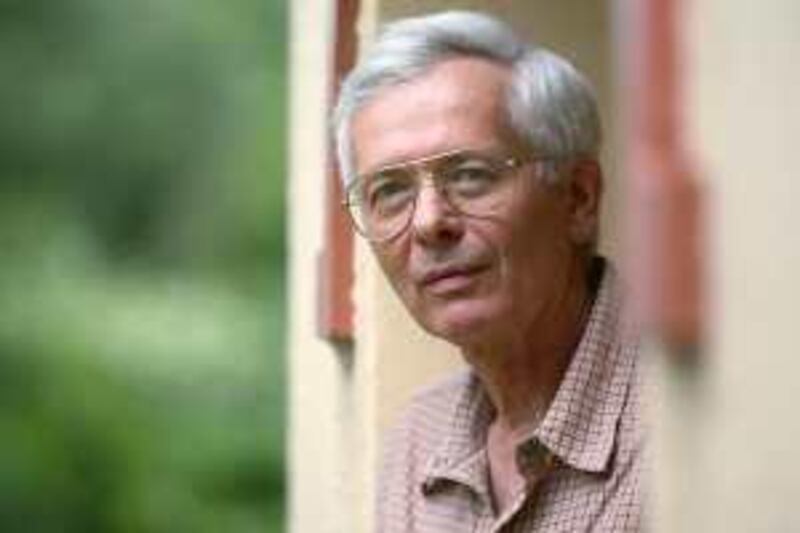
[471,178]
[385,193]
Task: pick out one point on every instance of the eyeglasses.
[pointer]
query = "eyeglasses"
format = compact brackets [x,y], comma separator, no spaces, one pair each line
[382,203]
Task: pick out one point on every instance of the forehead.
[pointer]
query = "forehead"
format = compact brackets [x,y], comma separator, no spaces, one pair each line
[456,104]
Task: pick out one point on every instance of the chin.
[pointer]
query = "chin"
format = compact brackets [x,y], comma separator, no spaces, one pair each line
[462,323]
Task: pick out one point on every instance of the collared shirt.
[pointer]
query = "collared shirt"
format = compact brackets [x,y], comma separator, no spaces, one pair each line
[582,465]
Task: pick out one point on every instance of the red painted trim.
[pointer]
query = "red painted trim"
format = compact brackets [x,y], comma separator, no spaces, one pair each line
[665,241]
[335,270]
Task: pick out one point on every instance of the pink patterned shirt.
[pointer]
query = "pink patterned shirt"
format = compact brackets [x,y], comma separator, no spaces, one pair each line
[583,464]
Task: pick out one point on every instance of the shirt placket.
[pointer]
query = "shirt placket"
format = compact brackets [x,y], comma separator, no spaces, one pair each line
[534,462]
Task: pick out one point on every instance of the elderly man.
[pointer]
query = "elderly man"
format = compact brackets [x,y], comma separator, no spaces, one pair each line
[471,166]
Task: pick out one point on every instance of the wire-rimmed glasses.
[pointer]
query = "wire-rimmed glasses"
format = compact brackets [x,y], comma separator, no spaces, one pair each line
[382,203]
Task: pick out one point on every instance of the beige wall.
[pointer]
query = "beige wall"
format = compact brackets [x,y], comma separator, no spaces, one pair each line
[321,422]
[729,436]
[342,401]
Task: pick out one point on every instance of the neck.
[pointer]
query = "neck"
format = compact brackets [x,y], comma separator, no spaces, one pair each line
[522,368]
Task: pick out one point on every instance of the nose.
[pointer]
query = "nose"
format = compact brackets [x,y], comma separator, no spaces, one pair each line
[435,221]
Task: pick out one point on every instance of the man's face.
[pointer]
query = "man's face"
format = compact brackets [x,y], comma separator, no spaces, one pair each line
[463,278]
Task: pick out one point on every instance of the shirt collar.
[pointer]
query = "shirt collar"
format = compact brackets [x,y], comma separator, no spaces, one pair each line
[460,456]
[580,426]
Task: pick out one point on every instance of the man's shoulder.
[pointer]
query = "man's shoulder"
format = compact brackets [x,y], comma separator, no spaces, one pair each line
[442,392]
[426,417]
[419,432]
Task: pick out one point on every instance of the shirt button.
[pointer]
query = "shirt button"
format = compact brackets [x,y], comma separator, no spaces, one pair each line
[427,487]
[533,459]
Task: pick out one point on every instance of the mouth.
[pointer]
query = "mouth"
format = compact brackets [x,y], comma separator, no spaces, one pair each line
[451,280]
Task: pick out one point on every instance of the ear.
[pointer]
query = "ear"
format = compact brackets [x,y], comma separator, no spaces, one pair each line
[585,191]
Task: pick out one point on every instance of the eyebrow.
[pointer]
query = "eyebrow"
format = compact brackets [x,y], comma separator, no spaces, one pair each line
[484,152]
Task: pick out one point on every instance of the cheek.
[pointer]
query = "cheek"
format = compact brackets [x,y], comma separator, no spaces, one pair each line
[393,259]
[533,253]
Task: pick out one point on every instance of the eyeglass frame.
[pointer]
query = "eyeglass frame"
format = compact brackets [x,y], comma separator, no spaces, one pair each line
[420,170]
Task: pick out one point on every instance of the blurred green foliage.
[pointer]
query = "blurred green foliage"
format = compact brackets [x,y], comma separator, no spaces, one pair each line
[141,265]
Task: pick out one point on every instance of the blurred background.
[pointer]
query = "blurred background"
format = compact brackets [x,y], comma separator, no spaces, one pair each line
[142,265]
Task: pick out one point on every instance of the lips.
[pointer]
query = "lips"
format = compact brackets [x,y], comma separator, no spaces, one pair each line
[452,279]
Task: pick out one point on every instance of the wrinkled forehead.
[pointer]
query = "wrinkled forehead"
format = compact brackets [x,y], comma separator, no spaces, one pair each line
[456,103]
[488,156]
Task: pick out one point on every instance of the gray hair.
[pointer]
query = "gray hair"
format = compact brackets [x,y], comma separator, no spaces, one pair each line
[550,105]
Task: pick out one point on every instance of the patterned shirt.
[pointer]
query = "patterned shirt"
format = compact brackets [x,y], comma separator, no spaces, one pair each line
[582,465]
